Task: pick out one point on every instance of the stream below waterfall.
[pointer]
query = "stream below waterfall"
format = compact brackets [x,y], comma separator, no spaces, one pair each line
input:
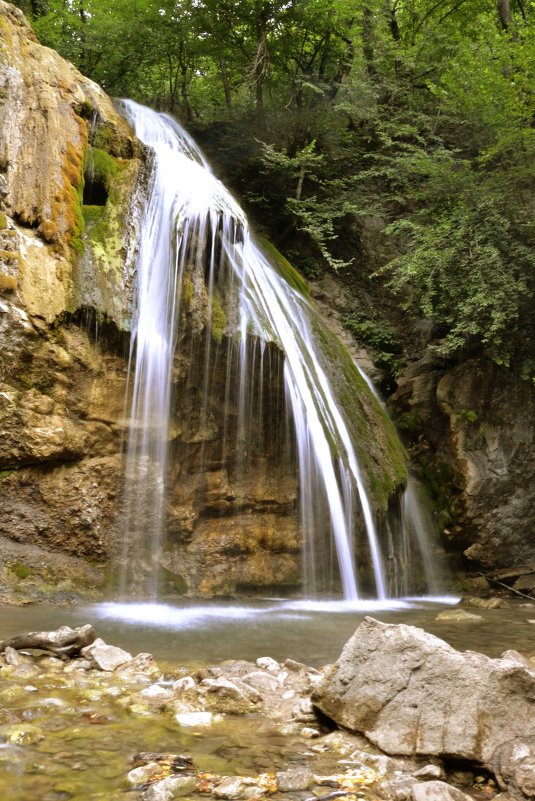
[313,632]
[68,733]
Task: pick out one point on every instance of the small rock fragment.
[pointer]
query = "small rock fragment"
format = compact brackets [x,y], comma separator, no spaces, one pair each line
[428,772]
[184,684]
[437,791]
[195,718]
[106,657]
[289,781]
[267,663]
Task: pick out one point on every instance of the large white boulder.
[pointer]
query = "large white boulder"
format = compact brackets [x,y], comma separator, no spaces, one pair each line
[410,693]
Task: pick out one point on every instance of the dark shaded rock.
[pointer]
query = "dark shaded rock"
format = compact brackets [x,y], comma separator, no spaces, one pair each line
[474,427]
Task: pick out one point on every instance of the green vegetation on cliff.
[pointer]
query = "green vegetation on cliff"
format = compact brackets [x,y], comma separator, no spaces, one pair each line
[413,115]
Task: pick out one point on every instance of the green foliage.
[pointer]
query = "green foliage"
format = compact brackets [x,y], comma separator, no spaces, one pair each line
[416,113]
[466,270]
[379,335]
[101,166]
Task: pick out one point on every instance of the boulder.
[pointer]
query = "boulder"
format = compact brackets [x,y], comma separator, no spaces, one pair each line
[105,657]
[514,767]
[410,693]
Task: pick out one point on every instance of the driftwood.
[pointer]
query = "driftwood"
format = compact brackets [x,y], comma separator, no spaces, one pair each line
[63,641]
[508,587]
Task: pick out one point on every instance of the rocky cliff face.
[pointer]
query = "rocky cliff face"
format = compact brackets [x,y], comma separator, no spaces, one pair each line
[472,430]
[61,385]
[70,173]
[72,181]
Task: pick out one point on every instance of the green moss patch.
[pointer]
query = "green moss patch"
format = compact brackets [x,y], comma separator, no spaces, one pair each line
[286,270]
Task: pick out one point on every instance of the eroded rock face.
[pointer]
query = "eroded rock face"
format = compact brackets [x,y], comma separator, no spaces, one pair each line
[72,183]
[412,694]
[478,421]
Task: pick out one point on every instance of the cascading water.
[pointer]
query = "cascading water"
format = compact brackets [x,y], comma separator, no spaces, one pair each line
[195,240]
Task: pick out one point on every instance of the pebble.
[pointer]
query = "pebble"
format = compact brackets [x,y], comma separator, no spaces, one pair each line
[184,684]
[289,781]
[429,772]
[267,663]
[170,788]
[196,718]
[309,733]
[144,774]
[156,694]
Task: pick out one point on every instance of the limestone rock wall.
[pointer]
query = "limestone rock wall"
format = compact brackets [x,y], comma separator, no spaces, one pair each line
[73,180]
[473,432]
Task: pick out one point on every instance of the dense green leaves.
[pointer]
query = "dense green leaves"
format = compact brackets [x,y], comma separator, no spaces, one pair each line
[416,114]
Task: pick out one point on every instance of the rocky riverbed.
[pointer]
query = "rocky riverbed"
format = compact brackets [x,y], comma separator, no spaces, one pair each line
[102,724]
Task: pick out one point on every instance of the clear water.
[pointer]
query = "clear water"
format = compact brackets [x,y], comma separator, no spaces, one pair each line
[312,632]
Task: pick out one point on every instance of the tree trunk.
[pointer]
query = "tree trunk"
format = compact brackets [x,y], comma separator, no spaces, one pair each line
[226,85]
[504,12]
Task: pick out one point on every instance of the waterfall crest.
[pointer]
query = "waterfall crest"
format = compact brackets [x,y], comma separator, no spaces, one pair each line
[195,241]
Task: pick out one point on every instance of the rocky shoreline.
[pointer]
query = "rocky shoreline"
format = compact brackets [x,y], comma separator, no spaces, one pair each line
[83,720]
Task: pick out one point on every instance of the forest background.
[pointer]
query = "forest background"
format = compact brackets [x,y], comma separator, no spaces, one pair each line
[412,118]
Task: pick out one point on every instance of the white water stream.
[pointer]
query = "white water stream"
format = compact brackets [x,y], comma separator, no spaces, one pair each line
[192,223]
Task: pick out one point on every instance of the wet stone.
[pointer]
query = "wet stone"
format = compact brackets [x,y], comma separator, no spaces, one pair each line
[170,788]
[296,779]
[144,774]
[459,616]
[187,719]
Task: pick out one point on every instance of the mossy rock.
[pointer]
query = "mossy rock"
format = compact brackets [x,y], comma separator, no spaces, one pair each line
[21,571]
[286,270]
[218,321]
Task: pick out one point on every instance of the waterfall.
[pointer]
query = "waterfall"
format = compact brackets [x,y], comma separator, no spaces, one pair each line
[195,239]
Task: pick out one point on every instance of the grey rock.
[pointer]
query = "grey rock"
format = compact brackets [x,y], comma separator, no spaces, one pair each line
[412,694]
[397,789]
[170,788]
[262,682]
[295,779]
[106,657]
[428,772]
[513,764]
[437,791]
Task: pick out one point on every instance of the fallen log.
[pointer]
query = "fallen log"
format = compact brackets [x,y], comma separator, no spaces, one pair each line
[64,641]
